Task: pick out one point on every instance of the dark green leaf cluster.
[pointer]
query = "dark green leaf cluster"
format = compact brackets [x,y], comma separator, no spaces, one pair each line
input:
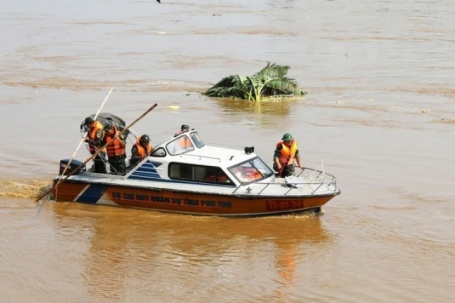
[271,81]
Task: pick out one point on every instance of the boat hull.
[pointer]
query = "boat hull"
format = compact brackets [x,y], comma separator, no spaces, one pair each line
[187,202]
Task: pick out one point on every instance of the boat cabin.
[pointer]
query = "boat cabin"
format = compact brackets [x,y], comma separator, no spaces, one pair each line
[185,158]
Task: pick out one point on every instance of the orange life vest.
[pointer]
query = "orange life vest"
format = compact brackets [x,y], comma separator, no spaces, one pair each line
[92,135]
[141,152]
[287,154]
[251,173]
[115,148]
[185,142]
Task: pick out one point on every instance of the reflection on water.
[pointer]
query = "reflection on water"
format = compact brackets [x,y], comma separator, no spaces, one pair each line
[278,108]
[125,247]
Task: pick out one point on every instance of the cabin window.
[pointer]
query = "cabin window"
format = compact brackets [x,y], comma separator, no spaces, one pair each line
[198,173]
[252,170]
[262,167]
[196,139]
[159,152]
[180,171]
[180,145]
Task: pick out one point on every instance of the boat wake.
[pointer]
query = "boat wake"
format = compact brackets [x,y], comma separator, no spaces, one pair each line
[21,189]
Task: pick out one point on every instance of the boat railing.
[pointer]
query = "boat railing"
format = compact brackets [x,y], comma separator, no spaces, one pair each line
[308,177]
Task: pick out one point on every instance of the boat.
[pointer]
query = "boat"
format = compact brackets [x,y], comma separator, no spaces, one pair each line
[198,179]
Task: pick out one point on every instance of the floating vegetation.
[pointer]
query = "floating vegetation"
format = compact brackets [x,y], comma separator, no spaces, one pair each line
[269,83]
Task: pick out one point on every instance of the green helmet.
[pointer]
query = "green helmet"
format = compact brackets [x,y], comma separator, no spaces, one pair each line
[144,138]
[108,125]
[89,120]
[287,137]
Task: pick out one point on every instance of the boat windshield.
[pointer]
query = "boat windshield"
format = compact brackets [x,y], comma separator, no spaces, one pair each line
[251,170]
[180,145]
[196,139]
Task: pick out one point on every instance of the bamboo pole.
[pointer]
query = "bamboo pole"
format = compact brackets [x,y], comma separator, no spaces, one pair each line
[96,153]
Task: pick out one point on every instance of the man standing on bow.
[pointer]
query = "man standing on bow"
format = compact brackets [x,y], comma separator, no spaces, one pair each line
[286,152]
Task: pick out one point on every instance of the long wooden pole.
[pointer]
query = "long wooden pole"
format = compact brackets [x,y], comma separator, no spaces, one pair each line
[102,105]
[83,138]
[97,152]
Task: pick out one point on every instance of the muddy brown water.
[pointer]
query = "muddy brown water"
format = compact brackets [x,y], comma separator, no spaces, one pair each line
[379,115]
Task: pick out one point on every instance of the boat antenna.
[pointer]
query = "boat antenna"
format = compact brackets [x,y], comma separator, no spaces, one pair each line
[96,153]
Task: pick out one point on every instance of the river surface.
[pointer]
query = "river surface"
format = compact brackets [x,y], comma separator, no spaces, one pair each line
[379,115]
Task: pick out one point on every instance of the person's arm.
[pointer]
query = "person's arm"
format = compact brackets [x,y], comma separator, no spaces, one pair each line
[297,158]
[122,142]
[276,157]
[134,156]
[99,136]
[298,162]
[277,162]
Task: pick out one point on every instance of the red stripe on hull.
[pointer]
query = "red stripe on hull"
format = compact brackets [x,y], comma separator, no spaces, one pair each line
[66,191]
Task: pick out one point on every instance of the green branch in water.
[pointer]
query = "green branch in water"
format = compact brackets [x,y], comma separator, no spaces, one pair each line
[269,83]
